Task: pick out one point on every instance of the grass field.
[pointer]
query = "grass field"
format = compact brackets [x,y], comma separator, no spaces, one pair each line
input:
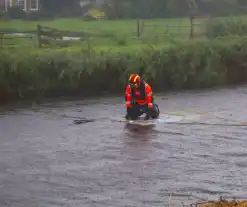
[117,27]
[110,34]
[107,34]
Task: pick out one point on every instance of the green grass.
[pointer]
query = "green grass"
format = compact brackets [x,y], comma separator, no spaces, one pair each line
[112,33]
[117,27]
[103,62]
[17,41]
[201,64]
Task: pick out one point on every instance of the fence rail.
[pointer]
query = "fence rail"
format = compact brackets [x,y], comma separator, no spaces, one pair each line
[195,27]
[12,41]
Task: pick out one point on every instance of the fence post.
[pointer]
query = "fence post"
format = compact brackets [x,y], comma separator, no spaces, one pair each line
[142,26]
[1,39]
[138,27]
[39,36]
[191,27]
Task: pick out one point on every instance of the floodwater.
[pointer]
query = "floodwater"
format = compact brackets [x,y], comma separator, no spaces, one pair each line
[47,161]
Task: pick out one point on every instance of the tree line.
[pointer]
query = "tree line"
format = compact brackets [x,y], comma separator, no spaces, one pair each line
[155,8]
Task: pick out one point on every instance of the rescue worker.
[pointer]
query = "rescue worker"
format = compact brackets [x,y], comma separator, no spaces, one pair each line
[139,99]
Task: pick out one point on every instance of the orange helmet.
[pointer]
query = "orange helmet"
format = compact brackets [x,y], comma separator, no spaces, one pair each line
[134,80]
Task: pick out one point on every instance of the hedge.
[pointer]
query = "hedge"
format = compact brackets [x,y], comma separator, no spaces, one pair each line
[226,26]
[189,65]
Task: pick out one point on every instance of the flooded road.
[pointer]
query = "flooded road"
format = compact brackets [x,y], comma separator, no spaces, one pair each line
[47,161]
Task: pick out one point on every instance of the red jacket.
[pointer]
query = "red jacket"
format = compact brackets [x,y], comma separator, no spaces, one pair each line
[146,99]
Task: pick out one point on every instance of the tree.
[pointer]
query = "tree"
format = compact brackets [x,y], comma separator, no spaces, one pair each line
[58,5]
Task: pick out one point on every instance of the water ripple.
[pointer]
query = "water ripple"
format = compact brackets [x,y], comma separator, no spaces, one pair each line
[45,160]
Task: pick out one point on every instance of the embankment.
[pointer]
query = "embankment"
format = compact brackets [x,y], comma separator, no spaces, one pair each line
[192,64]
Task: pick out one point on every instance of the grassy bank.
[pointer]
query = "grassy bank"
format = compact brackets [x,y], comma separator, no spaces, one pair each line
[107,33]
[95,65]
[194,64]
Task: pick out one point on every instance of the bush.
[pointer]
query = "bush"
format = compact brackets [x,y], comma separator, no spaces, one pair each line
[70,13]
[16,13]
[223,27]
[88,17]
[2,14]
[39,15]
[187,65]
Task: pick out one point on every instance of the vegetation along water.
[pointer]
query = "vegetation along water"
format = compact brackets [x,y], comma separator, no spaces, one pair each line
[168,53]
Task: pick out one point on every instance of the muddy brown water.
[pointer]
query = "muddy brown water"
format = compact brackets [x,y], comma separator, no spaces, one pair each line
[47,161]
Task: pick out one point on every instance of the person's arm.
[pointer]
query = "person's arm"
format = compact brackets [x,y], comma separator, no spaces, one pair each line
[128,96]
[149,95]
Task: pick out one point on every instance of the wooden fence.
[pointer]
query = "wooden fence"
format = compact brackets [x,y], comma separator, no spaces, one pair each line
[12,39]
[45,36]
[41,37]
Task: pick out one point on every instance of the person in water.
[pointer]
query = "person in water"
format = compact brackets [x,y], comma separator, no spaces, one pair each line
[139,99]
